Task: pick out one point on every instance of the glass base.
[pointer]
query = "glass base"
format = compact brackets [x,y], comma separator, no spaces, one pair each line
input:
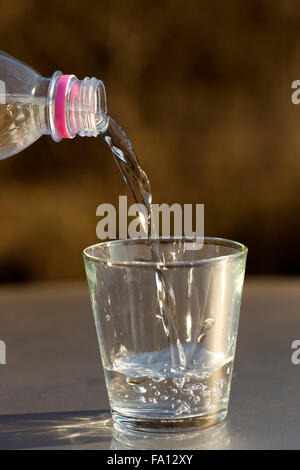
[145,434]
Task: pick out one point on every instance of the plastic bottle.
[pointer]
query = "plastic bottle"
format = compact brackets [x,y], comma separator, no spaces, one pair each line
[31,106]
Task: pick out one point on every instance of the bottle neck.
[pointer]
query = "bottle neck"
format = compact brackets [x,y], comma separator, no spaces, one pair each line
[75,107]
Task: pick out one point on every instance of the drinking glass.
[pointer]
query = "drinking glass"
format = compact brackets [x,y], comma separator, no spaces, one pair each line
[166,330]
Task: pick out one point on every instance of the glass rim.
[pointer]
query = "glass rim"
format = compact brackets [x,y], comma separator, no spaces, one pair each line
[241,252]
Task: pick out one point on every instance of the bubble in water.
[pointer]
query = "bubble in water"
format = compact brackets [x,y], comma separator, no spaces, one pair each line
[135,380]
[107,317]
[208,323]
[164,397]
[158,379]
[153,400]
[179,381]
[157,393]
[142,400]
[122,351]
[183,408]
[187,390]
[199,386]
[201,337]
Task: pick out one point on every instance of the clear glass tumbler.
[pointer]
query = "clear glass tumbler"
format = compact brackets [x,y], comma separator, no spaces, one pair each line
[167,331]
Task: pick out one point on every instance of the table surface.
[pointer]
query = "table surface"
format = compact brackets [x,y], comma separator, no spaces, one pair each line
[52,386]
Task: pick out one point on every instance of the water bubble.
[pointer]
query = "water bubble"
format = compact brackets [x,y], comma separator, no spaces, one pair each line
[201,337]
[135,380]
[142,400]
[122,351]
[157,379]
[157,393]
[208,323]
[153,400]
[199,386]
[107,317]
[183,408]
[179,381]
[164,397]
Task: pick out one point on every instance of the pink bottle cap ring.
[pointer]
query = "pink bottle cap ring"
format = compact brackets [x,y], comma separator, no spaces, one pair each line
[60,115]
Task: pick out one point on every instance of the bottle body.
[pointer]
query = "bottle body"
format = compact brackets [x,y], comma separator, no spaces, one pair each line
[31,106]
[22,105]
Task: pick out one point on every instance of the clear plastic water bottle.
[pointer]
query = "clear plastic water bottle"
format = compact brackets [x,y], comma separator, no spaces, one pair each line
[31,106]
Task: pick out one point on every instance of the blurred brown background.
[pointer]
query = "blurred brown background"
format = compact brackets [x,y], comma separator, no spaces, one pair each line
[203,90]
